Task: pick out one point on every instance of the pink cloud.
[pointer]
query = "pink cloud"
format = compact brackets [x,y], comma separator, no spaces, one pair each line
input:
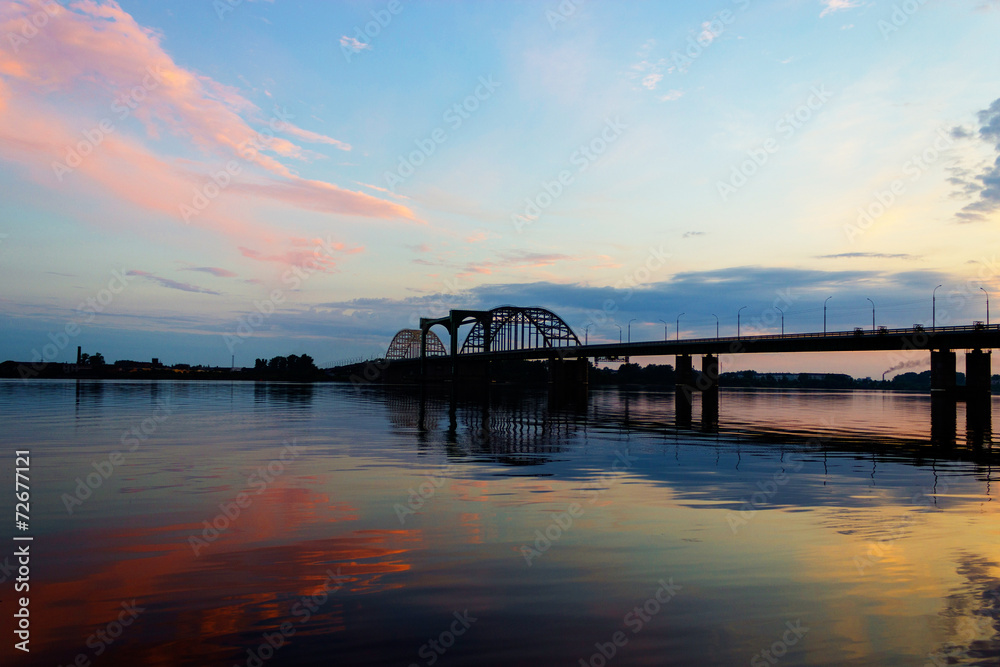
[96,51]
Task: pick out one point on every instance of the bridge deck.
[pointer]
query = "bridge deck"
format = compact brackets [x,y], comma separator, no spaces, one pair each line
[950,338]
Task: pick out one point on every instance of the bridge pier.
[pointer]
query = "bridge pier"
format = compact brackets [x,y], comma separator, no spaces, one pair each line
[686,385]
[943,397]
[683,390]
[708,383]
[943,372]
[569,378]
[978,395]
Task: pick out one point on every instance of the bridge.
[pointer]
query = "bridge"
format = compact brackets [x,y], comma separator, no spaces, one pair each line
[510,333]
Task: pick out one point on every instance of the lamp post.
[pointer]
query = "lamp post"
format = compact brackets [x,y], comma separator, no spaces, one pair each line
[873,312]
[630,329]
[987,306]
[716,324]
[934,308]
[824,312]
[664,330]
[619,333]
[677,328]
[782,319]
[738,321]
[586,333]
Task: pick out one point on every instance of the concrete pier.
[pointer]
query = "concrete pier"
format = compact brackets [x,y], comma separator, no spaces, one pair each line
[708,383]
[683,390]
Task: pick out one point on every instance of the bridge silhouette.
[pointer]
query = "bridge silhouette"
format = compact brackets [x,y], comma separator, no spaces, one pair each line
[512,333]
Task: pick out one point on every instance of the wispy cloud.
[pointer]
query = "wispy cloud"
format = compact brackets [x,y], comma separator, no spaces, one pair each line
[831,6]
[355,45]
[215,271]
[172,284]
[868,255]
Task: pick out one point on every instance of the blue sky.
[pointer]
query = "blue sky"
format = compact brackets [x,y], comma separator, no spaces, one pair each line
[306,177]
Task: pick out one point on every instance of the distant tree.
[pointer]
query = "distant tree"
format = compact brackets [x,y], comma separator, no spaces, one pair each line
[97,360]
[292,365]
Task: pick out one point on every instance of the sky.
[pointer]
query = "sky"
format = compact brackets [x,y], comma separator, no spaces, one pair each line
[216,181]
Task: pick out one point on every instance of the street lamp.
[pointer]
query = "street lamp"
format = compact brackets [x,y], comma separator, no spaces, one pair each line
[738,321]
[586,333]
[824,312]
[716,324]
[630,329]
[664,330]
[782,320]
[677,328]
[873,312]
[619,333]
[934,308]
[987,306]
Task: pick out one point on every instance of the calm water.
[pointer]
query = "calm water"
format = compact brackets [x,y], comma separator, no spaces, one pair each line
[382,527]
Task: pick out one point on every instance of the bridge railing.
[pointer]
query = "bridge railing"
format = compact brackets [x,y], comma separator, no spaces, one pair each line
[854,333]
[860,332]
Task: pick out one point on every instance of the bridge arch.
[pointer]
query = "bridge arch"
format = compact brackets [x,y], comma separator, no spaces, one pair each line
[517,328]
[406,345]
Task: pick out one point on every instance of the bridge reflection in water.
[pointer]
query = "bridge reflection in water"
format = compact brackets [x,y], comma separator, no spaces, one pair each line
[526,427]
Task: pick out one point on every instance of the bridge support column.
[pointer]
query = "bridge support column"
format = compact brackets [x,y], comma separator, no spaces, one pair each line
[943,397]
[978,373]
[978,399]
[708,383]
[683,390]
[569,378]
[943,372]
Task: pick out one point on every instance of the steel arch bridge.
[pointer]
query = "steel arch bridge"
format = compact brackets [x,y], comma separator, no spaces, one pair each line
[515,328]
[406,345]
[502,329]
